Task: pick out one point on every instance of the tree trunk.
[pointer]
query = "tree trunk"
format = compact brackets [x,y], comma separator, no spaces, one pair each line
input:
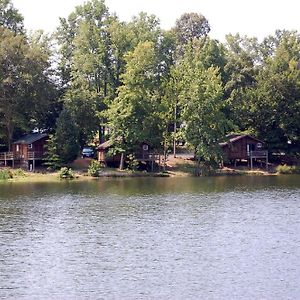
[122,161]
[175,129]
[10,132]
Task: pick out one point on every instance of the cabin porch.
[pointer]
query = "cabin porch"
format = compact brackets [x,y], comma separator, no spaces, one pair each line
[27,160]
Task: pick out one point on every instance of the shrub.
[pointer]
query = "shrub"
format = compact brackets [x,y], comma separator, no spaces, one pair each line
[5,174]
[132,163]
[19,172]
[66,173]
[285,169]
[95,168]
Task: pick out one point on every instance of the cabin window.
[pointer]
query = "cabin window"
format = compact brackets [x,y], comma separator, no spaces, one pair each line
[17,148]
[259,145]
[145,147]
[30,146]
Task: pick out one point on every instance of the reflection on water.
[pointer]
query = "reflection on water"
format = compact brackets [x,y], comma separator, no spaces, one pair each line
[151,238]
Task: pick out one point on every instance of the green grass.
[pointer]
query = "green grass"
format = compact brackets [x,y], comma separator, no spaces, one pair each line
[5,174]
[285,169]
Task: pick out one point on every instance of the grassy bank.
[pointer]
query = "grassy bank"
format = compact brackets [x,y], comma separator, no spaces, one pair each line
[176,168]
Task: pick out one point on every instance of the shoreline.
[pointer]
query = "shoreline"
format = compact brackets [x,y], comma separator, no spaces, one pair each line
[80,175]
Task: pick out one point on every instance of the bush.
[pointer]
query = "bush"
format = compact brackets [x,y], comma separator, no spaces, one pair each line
[95,168]
[5,174]
[285,169]
[66,173]
[19,172]
[132,163]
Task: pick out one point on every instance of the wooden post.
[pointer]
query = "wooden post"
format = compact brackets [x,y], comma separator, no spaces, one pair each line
[175,129]
[5,162]
[33,162]
[122,161]
[267,161]
[251,162]
[159,162]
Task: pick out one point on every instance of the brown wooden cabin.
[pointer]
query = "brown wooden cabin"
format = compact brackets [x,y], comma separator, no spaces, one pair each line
[103,155]
[243,147]
[142,154]
[27,151]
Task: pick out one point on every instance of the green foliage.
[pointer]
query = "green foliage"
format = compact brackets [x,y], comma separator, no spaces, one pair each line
[19,172]
[66,173]
[132,163]
[52,159]
[95,168]
[139,81]
[133,116]
[201,104]
[26,88]
[191,26]
[285,169]
[10,18]
[66,138]
[5,174]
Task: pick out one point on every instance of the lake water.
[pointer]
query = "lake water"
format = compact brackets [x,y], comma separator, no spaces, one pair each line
[151,238]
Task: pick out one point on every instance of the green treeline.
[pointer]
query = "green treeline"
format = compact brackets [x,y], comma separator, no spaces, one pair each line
[134,82]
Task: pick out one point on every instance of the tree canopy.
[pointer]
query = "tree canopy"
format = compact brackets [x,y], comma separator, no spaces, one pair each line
[133,82]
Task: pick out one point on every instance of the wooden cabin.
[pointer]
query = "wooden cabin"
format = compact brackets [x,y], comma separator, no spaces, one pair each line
[244,147]
[104,156]
[142,154]
[27,151]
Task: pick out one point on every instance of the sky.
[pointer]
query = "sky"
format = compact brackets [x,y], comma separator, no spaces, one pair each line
[258,18]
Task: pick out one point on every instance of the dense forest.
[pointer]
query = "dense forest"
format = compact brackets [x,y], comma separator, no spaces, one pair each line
[99,78]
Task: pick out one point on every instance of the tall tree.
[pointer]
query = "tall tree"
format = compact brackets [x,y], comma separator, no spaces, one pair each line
[25,85]
[201,100]
[240,72]
[275,100]
[134,115]
[191,26]
[86,64]
[10,18]
[66,138]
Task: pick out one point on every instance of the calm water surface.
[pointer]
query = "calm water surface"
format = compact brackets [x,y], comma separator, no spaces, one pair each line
[151,238]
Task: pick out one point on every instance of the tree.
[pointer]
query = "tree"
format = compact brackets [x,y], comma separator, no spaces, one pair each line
[134,115]
[240,76]
[191,26]
[86,65]
[201,100]
[66,138]
[10,18]
[274,102]
[26,88]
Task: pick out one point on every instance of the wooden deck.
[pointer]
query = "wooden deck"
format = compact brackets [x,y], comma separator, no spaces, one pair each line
[30,156]
[258,154]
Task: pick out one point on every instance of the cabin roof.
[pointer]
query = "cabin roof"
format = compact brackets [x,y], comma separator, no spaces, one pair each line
[31,138]
[110,143]
[232,138]
[105,145]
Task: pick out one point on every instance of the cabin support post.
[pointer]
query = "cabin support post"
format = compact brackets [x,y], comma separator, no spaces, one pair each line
[267,161]
[175,130]
[251,162]
[5,162]
[159,162]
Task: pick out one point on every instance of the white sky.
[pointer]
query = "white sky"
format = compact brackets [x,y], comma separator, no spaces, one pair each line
[248,17]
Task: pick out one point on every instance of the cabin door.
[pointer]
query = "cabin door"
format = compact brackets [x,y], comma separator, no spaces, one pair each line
[250,147]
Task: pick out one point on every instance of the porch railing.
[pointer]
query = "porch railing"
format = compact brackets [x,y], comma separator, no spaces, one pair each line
[258,153]
[36,155]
